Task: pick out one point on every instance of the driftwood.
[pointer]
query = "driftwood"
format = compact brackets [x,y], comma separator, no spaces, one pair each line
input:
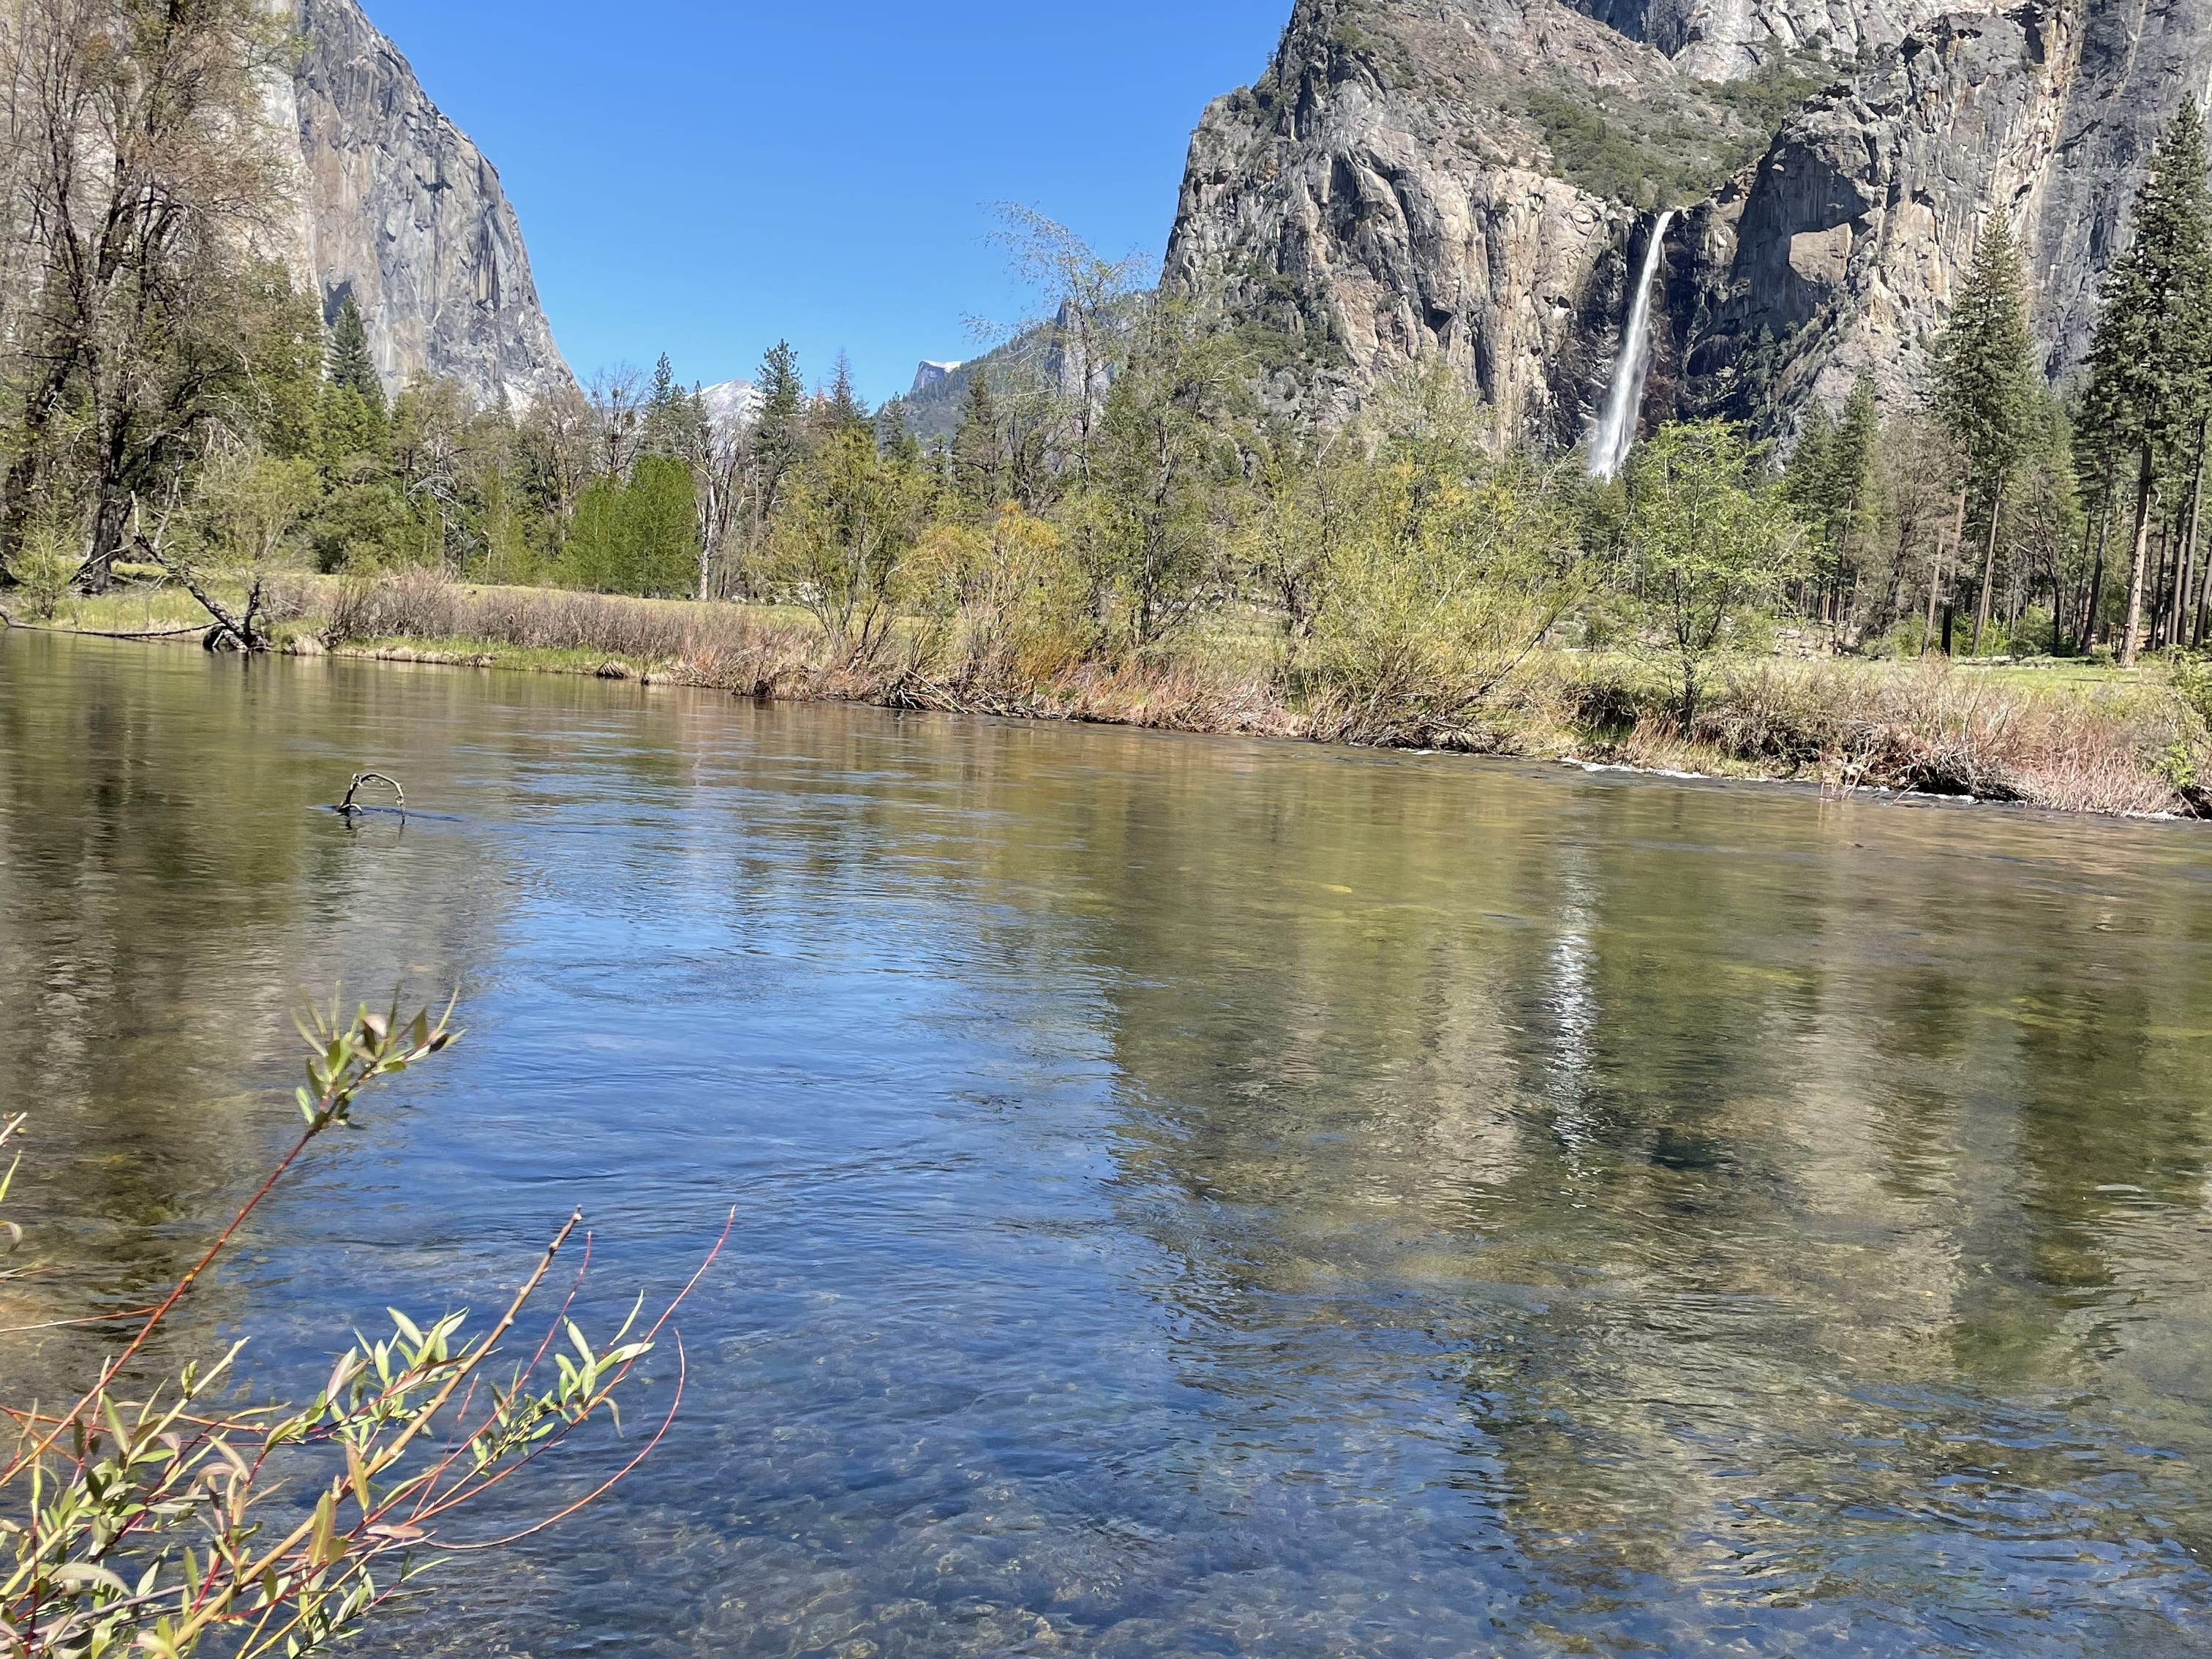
[7,621]
[350,810]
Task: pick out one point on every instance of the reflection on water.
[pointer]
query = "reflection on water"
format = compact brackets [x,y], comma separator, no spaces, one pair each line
[1193,1197]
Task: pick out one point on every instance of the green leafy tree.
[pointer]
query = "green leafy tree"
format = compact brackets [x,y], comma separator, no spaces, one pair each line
[2151,361]
[238,532]
[45,567]
[1164,466]
[1441,585]
[142,164]
[637,536]
[1004,604]
[1986,387]
[1712,546]
[1083,337]
[1309,498]
[841,538]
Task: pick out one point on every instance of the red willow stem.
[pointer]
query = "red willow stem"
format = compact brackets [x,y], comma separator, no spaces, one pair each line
[110,1369]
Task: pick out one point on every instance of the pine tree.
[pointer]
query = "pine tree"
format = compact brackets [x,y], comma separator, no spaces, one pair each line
[351,365]
[979,445]
[779,435]
[674,419]
[1810,488]
[840,409]
[2151,363]
[1856,470]
[894,437]
[1985,386]
[1832,483]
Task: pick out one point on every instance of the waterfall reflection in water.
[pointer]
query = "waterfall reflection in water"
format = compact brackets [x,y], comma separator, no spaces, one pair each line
[1195,1196]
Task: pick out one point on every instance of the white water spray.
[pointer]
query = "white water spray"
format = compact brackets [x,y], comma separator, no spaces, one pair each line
[1615,433]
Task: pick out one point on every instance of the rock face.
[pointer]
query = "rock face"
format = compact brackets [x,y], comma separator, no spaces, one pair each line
[1472,180]
[932,374]
[1721,38]
[1384,195]
[1864,213]
[397,207]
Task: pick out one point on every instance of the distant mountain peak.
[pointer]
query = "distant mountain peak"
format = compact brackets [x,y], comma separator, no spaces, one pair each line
[931,373]
[731,404]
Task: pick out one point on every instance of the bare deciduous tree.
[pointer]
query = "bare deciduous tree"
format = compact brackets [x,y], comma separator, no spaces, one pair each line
[149,182]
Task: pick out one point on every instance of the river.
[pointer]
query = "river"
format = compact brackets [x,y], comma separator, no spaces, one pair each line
[1193,1196]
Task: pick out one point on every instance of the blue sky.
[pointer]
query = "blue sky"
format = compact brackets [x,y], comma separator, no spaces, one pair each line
[704,179]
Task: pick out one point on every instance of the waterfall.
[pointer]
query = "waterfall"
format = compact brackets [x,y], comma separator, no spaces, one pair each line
[1615,433]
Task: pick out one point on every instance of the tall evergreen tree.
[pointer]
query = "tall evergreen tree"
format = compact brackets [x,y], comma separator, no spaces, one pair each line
[979,455]
[665,389]
[1986,387]
[351,365]
[895,437]
[2151,363]
[1810,486]
[778,441]
[1858,470]
[674,418]
[840,410]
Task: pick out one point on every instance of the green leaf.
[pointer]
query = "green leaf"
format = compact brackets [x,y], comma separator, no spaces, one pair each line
[82,1575]
[324,1545]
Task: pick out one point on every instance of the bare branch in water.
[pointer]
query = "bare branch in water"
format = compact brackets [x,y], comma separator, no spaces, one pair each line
[347,806]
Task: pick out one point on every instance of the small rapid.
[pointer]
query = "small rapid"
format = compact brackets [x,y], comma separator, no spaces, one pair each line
[1616,433]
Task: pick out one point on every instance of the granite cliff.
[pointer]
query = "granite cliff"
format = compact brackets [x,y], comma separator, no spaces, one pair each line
[397,207]
[1838,255]
[1478,179]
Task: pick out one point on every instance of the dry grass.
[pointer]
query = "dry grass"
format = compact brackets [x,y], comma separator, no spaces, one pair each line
[2112,745]
[769,652]
[2097,747]
[1930,729]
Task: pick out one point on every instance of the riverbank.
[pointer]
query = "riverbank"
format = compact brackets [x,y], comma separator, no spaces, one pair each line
[2069,737]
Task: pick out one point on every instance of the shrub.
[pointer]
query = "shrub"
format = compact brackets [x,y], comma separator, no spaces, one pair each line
[1007,603]
[46,567]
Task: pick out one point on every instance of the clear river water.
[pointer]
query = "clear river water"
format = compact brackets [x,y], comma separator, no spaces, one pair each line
[1193,1197]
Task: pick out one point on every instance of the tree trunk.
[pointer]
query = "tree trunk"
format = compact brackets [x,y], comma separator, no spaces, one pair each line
[2184,604]
[1936,575]
[1989,574]
[109,520]
[2095,599]
[2162,587]
[2138,560]
[2057,601]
